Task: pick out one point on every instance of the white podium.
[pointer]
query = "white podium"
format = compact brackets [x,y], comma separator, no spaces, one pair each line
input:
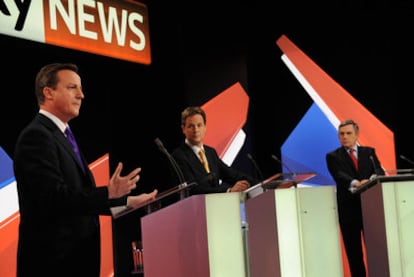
[294,232]
[388,213]
[197,236]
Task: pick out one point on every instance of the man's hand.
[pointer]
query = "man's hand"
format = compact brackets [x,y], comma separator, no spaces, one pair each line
[122,185]
[240,186]
[136,200]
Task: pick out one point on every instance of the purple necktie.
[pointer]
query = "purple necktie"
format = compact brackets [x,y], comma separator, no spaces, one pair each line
[71,139]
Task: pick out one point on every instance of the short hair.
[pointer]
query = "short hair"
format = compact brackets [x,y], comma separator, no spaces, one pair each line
[47,77]
[349,122]
[190,111]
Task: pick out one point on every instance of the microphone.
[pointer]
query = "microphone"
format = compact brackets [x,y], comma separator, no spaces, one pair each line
[285,165]
[407,160]
[374,165]
[173,163]
[256,167]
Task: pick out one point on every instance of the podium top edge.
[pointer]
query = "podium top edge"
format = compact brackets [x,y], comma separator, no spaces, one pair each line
[282,178]
[384,179]
[116,213]
[400,171]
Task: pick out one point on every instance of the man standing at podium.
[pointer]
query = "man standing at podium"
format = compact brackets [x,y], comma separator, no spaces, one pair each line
[351,166]
[200,163]
[59,202]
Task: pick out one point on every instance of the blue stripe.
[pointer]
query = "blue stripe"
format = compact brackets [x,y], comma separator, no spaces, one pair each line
[7,182]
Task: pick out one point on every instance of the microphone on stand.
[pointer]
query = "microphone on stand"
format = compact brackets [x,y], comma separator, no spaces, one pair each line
[375,167]
[256,167]
[174,165]
[282,164]
[292,179]
[407,160]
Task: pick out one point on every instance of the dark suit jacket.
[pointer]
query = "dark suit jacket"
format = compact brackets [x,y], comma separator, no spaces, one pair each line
[59,203]
[194,171]
[341,168]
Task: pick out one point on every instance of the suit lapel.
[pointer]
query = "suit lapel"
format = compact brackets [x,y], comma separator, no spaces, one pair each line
[193,159]
[60,137]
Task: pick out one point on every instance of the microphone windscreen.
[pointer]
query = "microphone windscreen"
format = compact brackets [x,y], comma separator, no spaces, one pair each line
[158,142]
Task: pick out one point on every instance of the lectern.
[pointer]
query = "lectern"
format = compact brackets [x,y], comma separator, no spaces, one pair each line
[294,232]
[126,230]
[388,214]
[198,236]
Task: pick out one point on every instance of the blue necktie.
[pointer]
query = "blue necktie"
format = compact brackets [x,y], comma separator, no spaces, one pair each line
[71,139]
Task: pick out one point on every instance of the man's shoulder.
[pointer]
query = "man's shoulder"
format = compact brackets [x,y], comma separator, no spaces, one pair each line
[180,149]
[335,151]
[365,148]
[39,125]
[208,147]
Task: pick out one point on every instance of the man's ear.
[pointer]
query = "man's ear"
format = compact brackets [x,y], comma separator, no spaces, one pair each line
[48,93]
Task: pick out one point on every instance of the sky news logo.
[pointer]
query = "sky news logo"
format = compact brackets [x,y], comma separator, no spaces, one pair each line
[113,28]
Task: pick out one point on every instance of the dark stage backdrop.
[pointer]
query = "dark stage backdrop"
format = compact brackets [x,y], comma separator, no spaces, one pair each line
[200,49]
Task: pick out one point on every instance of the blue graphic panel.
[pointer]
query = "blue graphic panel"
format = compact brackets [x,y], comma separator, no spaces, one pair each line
[306,147]
[6,169]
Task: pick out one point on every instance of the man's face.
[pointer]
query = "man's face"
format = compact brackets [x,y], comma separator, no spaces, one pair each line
[347,136]
[65,100]
[194,129]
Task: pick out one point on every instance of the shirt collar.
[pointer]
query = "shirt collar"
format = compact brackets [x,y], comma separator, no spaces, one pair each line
[62,126]
[195,148]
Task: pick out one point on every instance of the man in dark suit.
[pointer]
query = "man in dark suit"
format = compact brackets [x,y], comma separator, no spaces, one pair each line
[348,177]
[59,231]
[214,177]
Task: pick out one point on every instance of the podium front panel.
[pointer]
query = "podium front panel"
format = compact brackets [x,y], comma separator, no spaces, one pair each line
[388,213]
[197,236]
[294,232]
[405,208]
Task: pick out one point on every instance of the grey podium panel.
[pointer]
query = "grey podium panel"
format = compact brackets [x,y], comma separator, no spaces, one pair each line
[294,232]
[388,212]
[198,236]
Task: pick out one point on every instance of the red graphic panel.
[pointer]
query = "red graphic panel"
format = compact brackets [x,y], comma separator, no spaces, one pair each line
[226,115]
[341,104]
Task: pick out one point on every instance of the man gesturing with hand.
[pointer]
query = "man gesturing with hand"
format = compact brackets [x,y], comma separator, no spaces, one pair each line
[59,231]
